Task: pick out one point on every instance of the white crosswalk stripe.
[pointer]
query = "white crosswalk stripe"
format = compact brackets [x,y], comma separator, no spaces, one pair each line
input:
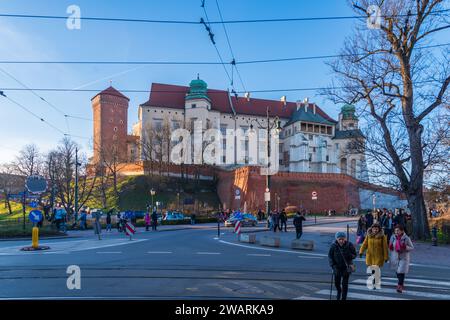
[362,296]
[359,290]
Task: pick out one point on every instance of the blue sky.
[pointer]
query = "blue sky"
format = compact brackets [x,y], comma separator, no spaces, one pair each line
[29,39]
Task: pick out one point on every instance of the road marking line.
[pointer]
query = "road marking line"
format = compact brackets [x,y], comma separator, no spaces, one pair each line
[364,281]
[259,255]
[361,296]
[276,250]
[442,283]
[208,253]
[406,292]
[310,257]
[308,298]
[110,252]
[160,252]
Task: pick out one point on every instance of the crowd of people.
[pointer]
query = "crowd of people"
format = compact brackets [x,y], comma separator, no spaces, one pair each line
[383,236]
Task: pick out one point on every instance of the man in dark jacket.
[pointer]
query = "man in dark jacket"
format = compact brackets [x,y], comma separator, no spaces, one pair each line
[283,221]
[275,221]
[340,257]
[369,220]
[298,224]
[154,220]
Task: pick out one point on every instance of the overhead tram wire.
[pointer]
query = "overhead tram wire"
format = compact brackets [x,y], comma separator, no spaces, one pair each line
[233,63]
[211,36]
[43,99]
[317,57]
[105,19]
[184,91]
[2,94]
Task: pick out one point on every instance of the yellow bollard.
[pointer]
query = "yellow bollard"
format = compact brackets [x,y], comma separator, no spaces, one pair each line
[35,238]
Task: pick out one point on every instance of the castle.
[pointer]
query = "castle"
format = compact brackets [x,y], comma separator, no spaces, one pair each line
[310,140]
[316,152]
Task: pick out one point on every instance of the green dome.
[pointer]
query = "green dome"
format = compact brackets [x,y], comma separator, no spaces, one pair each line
[198,90]
[348,112]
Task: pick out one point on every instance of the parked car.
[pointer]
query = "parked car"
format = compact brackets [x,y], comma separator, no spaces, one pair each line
[139,214]
[248,220]
[173,215]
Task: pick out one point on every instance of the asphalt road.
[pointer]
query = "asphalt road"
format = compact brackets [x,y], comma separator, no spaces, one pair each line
[193,264]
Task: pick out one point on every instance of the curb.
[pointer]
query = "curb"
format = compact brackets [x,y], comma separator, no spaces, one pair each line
[304,226]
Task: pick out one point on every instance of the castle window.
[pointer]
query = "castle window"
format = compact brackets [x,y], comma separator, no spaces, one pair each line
[115,129]
[314,149]
[193,106]
[121,121]
[310,137]
[111,120]
[310,157]
[328,158]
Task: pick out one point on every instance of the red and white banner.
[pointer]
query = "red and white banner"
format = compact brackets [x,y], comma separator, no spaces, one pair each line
[237,227]
[130,229]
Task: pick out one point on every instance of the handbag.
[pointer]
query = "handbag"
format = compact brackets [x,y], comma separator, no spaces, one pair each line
[350,267]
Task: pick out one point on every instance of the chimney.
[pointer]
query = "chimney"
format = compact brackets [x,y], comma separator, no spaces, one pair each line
[314,108]
[306,102]
[284,100]
[299,104]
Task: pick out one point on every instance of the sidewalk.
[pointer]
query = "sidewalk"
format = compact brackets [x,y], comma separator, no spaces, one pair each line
[323,236]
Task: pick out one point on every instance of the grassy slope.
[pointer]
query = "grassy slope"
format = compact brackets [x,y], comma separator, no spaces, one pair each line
[134,193]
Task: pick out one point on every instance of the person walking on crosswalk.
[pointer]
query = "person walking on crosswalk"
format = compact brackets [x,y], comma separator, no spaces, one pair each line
[376,247]
[400,246]
[340,257]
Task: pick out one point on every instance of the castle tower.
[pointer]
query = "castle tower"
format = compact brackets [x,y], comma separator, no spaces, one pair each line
[347,118]
[110,109]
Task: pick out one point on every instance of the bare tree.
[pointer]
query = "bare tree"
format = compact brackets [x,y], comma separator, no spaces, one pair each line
[61,172]
[9,182]
[397,87]
[29,161]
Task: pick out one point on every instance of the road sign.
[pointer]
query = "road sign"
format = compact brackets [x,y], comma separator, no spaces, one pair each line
[33,204]
[130,229]
[36,184]
[35,216]
[237,194]
[266,196]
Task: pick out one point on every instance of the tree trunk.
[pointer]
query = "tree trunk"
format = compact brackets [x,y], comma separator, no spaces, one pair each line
[8,203]
[416,205]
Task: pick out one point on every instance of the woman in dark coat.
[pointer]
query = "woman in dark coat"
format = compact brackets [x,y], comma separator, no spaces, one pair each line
[340,257]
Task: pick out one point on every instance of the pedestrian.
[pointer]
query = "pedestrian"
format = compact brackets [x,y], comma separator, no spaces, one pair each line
[108,220]
[400,246]
[409,226]
[388,225]
[192,218]
[260,214]
[154,220]
[283,220]
[269,221]
[361,229]
[376,247]
[298,224]
[83,219]
[369,219]
[97,226]
[400,219]
[340,257]
[147,221]
[275,221]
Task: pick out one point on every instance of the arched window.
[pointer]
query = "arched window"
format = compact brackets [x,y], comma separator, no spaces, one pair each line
[344,165]
[353,168]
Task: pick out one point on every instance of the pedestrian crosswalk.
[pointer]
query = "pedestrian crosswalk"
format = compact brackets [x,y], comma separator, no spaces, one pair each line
[415,289]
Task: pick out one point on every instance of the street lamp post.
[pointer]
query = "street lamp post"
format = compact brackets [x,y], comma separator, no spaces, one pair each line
[268,126]
[152,192]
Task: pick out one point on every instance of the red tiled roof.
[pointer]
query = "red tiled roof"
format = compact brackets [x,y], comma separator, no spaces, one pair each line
[112,92]
[173,96]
